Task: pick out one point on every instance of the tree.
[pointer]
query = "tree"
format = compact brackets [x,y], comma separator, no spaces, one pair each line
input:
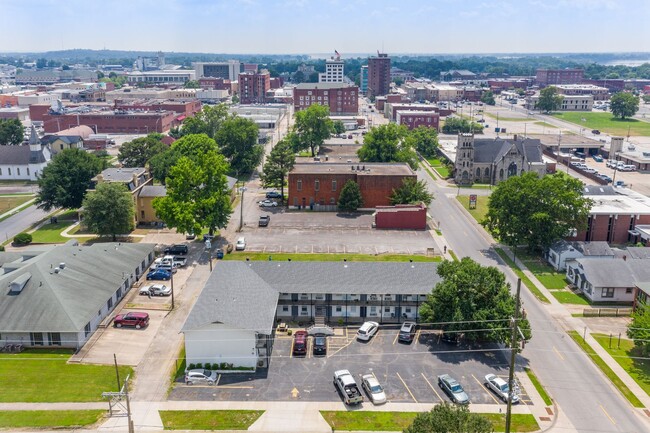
[138,152]
[197,189]
[313,126]
[473,300]
[488,98]
[65,68]
[338,127]
[64,181]
[624,104]
[646,99]
[639,329]
[237,138]
[192,84]
[549,99]
[235,99]
[398,81]
[388,143]
[454,125]
[350,199]
[41,63]
[278,165]
[412,191]
[207,121]
[298,77]
[109,210]
[11,132]
[424,140]
[449,418]
[536,211]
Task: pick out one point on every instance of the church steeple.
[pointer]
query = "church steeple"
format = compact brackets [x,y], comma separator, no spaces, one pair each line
[34,141]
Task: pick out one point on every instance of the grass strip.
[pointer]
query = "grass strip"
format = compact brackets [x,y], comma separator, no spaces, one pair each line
[309,257]
[628,357]
[209,419]
[453,255]
[481,209]
[524,279]
[49,418]
[538,386]
[618,383]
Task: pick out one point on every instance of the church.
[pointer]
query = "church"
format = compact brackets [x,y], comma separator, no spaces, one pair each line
[24,162]
[492,160]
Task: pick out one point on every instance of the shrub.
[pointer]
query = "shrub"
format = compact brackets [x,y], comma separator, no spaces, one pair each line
[191,367]
[222,366]
[23,239]
[2,248]
[199,365]
[289,332]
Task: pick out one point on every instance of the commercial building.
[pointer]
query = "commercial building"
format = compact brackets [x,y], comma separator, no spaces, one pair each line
[416,118]
[391,108]
[126,93]
[401,216]
[457,75]
[378,75]
[208,83]
[318,186]
[548,77]
[253,87]
[229,70]
[20,113]
[118,122]
[363,80]
[167,76]
[569,102]
[599,93]
[187,107]
[342,99]
[333,71]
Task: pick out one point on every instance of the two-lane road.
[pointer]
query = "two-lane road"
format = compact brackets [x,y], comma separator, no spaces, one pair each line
[20,222]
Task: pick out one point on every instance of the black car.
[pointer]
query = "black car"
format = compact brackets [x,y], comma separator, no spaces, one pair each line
[264,221]
[320,345]
[178,249]
[595,132]
[273,194]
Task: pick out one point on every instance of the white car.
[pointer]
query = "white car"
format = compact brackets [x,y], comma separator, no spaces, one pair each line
[156,290]
[200,375]
[367,330]
[500,388]
[268,203]
[241,244]
[371,386]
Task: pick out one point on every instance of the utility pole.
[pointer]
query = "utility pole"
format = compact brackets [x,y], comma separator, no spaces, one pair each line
[117,373]
[128,405]
[513,346]
[171,278]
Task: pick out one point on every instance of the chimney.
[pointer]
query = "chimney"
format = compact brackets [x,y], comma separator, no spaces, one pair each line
[514,137]
[624,258]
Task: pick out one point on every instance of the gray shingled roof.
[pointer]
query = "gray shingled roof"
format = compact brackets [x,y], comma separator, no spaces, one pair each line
[593,248]
[18,155]
[68,139]
[68,300]
[153,191]
[639,252]
[121,174]
[599,190]
[606,272]
[491,150]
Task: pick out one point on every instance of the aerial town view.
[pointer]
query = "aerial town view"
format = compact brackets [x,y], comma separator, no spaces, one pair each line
[292,216]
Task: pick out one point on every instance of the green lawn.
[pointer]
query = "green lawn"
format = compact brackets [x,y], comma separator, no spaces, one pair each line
[545,124]
[435,162]
[398,421]
[44,376]
[443,171]
[618,383]
[50,419]
[481,206]
[50,233]
[243,255]
[538,386]
[524,279]
[568,297]
[507,119]
[9,202]
[209,419]
[632,361]
[606,122]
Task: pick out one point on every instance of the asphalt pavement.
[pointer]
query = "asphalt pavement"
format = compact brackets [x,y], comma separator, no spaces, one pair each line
[20,222]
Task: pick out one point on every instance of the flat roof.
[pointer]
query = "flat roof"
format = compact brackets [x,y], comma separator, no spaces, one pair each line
[390,169]
[310,86]
[418,112]
[566,140]
[620,204]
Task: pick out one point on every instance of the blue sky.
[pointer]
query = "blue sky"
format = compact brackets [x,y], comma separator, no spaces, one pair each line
[320,26]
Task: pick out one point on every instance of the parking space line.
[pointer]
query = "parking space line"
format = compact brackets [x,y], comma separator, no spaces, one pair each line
[339,349]
[485,389]
[417,336]
[407,388]
[218,379]
[431,386]
[395,340]
[291,353]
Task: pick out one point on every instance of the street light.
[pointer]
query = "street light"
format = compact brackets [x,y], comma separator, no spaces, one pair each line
[242,189]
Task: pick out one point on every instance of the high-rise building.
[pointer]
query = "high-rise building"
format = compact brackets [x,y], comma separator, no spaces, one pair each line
[333,71]
[378,75]
[253,87]
[227,70]
[364,79]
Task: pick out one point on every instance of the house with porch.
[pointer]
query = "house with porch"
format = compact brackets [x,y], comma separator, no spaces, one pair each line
[561,251]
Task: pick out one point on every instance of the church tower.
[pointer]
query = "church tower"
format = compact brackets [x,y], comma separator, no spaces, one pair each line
[464,159]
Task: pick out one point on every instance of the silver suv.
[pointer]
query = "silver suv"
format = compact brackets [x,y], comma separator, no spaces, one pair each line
[201,376]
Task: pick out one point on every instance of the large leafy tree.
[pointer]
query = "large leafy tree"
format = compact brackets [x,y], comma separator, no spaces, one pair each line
[549,99]
[488,98]
[533,211]
[11,132]
[412,191]
[138,152]
[109,210]
[350,199]
[388,143]
[197,189]
[278,165]
[338,127]
[624,104]
[639,329]
[66,178]
[312,126]
[207,121]
[473,300]
[424,140]
[454,125]
[237,138]
[448,418]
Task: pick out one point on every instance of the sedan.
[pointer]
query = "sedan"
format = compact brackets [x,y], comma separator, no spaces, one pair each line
[156,290]
[159,274]
[453,389]
[200,375]
[268,203]
[500,388]
[273,194]
[241,244]
[320,345]
[367,330]
[371,386]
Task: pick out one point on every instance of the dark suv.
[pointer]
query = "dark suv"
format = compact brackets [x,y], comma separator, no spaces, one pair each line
[300,343]
[178,249]
[407,332]
[264,220]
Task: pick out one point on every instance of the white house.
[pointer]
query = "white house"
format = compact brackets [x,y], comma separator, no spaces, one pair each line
[561,251]
[607,279]
[24,162]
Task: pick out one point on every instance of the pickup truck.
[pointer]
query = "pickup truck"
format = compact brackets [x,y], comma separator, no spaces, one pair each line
[174,261]
[347,386]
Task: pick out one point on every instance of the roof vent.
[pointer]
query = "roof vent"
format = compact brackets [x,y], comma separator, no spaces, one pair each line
[17,285]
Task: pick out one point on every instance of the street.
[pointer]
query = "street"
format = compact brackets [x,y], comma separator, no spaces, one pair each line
[20,222]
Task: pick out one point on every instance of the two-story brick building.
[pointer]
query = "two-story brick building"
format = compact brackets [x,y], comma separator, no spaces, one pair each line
[318,186]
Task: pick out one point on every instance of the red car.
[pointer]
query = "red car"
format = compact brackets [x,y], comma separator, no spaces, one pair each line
[136,319]
[300,343]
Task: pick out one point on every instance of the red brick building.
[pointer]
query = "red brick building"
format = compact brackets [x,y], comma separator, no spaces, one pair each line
[342,99]
[253,87]
[378,75]
[210,83]
[111,123]
[276,82]
[402,216]
[548,77]
[413,119]
[318,185]
[185,107]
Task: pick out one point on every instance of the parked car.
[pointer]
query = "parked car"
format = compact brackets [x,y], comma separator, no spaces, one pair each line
[453,389]
[200,375]
[500,388]
[159,274]
[219,253]
[135,319]
[156,290]
[300,343]
[347,387]
[320,345]
[267,203]
[597,158]
[367,330]
[264,220]
[595,132]
[166,266]
[407,332]
[350,136]
[178,249]
[241,244]
[190,236]
[273,194]
[373,389]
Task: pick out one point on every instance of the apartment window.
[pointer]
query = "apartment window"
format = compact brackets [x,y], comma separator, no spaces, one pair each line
[0,172]
[36,338]
[87,329]
[54,338]
[332,200]
[628,290]
[109,304]
[317,185]
[338,309]
[27,171]
[9,170]
[387,310]
[333,185]
[608,292]
[285,308]
[299,185]
[303,311]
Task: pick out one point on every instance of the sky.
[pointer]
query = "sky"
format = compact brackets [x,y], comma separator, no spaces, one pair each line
[322,26]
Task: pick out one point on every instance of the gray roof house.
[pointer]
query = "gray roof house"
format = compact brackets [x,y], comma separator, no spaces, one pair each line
[561,251]
[234,317]
[26,161]
[59,296]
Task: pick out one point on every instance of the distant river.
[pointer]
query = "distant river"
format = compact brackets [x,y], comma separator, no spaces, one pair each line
[627,62]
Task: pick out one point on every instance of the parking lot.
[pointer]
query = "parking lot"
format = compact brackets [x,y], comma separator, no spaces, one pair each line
[407,372]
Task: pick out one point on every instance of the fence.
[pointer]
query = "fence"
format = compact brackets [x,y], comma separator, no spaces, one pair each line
[607,312]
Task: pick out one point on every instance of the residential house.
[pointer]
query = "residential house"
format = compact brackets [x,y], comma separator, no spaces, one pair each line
[134,178]
[562,250]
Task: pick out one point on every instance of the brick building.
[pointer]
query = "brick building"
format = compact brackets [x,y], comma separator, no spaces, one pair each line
[378,75]
[253,87]
[547,77]
[187,108]
[319,185]
[215,83]
[413,119]
[391,109]
[342,99]
[113,123]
